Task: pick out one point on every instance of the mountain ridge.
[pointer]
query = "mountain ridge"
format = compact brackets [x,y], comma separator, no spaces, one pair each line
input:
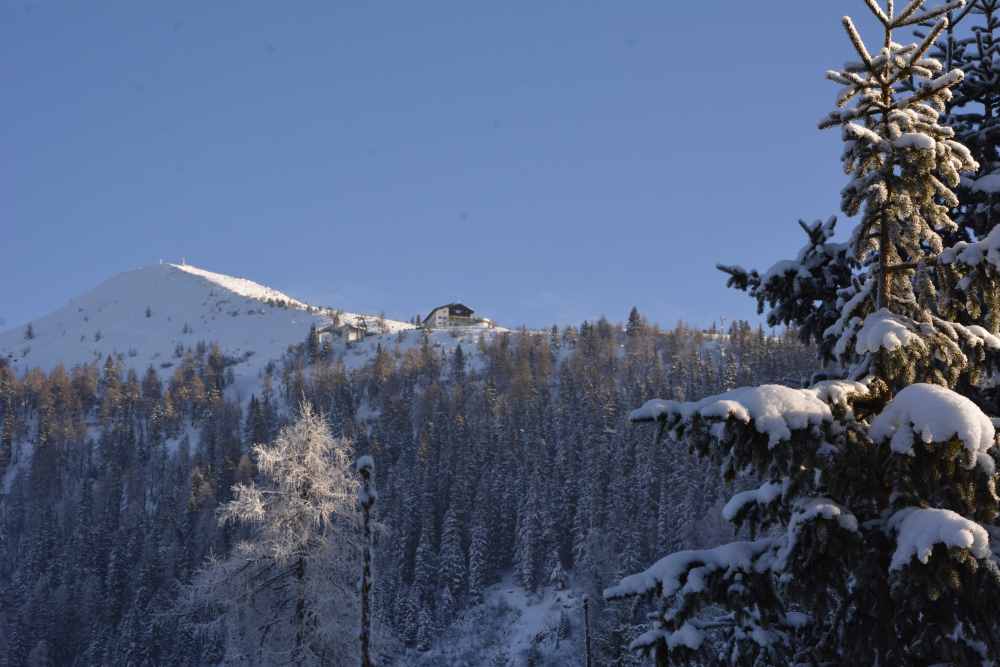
[147,316]
[151,315]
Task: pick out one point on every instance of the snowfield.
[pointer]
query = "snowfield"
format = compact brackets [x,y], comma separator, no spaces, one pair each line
[144,316]
[148,316]
[511,627]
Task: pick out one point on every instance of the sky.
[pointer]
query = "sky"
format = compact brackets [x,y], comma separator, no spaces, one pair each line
[543,162]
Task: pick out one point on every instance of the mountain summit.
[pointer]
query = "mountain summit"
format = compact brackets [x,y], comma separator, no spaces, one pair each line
[144,317]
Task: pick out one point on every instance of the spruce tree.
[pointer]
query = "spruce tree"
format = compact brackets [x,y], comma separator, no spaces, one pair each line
[804,292]
[867,530]
[974,112]
[635,323]
[479,561]
[452,559]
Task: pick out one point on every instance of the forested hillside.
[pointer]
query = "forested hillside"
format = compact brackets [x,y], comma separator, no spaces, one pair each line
[506,456]
[199,470]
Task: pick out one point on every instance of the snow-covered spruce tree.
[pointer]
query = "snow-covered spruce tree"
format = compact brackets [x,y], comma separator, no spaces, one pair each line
[974,112]
[289,594]
[868,543]
[803,292]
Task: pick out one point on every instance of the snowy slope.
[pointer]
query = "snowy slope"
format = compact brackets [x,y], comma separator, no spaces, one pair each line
[142,316]
[442,340]
[512,628]
[186,305]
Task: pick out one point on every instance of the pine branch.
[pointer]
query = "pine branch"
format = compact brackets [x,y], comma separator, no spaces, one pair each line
[929,14]
[859,45]
[932,88]
[929,40]
[907,12]
[840,117]
[877,11]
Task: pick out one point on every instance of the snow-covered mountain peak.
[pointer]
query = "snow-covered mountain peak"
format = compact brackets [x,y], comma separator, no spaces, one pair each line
[145,316]
[153,315]
[149,316]
[240,286]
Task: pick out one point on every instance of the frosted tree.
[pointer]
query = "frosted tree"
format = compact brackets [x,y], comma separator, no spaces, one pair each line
[868,540]
[289,594]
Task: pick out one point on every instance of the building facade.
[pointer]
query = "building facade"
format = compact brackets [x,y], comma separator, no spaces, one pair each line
[450,315]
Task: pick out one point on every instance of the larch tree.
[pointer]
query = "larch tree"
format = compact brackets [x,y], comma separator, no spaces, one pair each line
[868,540]
[289,593]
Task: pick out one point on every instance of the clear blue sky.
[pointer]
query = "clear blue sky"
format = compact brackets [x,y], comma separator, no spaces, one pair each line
[541,161]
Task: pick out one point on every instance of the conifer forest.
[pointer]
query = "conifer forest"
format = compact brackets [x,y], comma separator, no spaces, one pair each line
[196,469]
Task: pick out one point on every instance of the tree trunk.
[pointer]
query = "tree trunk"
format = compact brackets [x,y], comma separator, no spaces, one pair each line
[300,613]
[366,468]
[366,585]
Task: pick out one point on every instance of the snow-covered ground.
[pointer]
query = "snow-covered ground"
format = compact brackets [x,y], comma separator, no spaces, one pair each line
[442,340]
[511,627]
[143,317]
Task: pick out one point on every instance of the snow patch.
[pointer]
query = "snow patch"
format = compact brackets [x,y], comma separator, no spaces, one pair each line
[935,414]
[241,286]
[972,254]
[687,635]
[990,183]
[511,627]
[765,494]
[884,329]
[917,140]
[775,410]
[697,564]
[918,530]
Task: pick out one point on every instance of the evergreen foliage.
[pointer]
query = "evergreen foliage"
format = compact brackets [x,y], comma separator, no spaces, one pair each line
[114,481]
[867,539]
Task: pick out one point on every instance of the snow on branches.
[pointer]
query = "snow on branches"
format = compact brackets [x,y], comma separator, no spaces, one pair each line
[872,492]
[935,415]
[971,272]
[885,330]
[827,457]
[684,578]
[312,490]
[773,409]
[292,580]
[803,292]
[919,530]
[903,163]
